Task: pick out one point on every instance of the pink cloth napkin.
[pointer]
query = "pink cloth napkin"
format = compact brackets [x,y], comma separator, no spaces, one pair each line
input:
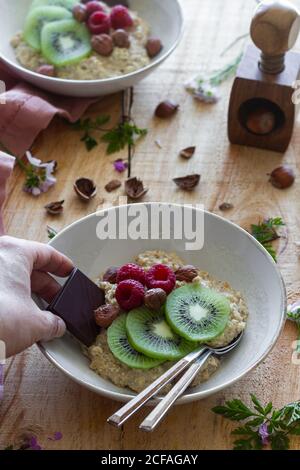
[28,110]
[6,165]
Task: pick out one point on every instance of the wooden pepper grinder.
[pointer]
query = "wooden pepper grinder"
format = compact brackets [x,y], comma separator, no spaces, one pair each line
[261,111]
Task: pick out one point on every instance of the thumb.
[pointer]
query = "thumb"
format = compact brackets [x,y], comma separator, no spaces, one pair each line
[50,327]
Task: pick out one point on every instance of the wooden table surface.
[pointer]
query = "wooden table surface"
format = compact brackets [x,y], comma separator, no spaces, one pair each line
[40,397]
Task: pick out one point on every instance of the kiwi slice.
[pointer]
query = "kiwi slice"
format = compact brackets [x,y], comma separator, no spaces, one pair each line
[150,334]
[37,19]
[197,313]
[123,351]
[65,42]
[68,4]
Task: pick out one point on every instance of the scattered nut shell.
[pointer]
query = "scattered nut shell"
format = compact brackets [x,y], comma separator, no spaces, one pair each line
[85,188]
[47,70]
[102,44]
[225,206]
[110,275]
[112,185]
[282,177]
[134,188]
[55,208]
[80,12]
[187,183]
[188,152]
[166,109]
[121,38]
[155,298]
[186,273]
[106,314]
[153,47]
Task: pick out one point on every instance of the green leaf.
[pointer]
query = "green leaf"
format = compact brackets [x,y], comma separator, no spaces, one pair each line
[256,421]
[125,134]
[89,141]
[243,431]
[266,232]
[268,408]
[243,444]
[252,443]
[235,410]
[290,413]
[101,120]
[279,441]
[257,404]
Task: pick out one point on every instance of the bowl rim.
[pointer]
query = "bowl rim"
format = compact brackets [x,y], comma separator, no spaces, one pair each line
[188,397]
[105,81]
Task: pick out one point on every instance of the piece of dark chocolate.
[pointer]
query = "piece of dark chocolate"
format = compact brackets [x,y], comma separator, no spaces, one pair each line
[75,304]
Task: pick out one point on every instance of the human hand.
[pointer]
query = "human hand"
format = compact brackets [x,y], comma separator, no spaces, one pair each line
[24,268]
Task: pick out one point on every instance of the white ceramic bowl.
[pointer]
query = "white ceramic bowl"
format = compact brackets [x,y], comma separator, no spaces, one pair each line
[229,253]
[165,20]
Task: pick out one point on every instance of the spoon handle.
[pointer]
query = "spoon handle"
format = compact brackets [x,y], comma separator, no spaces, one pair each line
[156,415]
[119,418]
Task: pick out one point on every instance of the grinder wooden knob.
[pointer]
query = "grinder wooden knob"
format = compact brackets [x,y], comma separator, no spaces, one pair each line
[274,30]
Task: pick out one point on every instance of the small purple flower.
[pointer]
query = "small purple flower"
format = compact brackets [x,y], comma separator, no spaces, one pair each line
[120,165]
[33,444]
[264,433]
[56,437]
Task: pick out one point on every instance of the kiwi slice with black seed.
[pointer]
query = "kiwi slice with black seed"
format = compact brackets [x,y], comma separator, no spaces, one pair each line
[150,334]
[120,347]
[68,4]
[37,19]
[197,313]
[65,42]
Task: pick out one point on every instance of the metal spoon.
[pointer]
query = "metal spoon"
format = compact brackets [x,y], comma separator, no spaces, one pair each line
[157,414]
[122,415]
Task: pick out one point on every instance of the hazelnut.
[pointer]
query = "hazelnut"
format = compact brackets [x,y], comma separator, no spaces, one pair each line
[261,121]
[112,185]
[186,273]
[46,69]
[106,314]
[225,206]
[102,44]
[155,298]
[282,177]
[110,275]
[121,38]
[166,109]
[80,12]
[153,47]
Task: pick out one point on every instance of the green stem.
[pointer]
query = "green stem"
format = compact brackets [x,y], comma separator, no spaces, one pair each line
[22,165]
[222,75]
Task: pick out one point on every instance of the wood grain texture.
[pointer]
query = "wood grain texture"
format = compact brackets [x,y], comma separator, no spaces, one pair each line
[36,393]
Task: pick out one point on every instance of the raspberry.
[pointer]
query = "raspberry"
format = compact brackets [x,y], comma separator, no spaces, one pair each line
[93,6]
[120,17]
[161,276]
[130,294]
[131,271]
[99,23]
